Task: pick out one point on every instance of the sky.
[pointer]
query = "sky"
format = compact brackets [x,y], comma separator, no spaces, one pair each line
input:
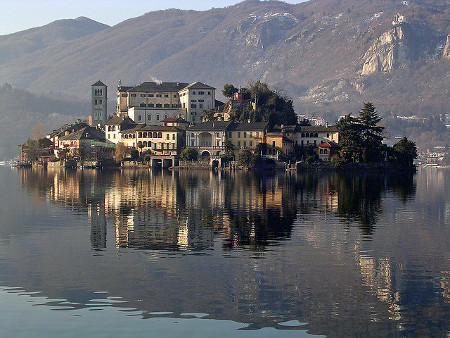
[18,15]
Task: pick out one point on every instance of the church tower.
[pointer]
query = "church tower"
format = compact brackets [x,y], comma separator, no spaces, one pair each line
[99,104]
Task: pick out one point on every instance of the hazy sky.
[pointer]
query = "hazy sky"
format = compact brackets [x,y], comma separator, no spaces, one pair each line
[17,15]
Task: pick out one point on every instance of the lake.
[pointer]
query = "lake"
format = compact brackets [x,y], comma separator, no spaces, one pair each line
[161,253]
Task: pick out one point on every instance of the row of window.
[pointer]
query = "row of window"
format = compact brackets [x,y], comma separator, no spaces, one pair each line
[156,145]
[149,95]
[98,92]
[149,117]
[159,105]
[155,134]
[244,134]
[96,102]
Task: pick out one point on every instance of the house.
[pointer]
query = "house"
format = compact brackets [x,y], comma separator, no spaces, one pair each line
[81,143]
[327,149]
[247,135]
[160,140]
[315,135]
[65,130]
[178,122]
[115,125]
[208,137]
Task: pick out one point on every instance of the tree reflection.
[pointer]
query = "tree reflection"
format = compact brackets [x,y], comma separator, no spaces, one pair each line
[360,195]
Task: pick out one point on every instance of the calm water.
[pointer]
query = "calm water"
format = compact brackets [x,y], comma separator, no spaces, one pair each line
[142,253]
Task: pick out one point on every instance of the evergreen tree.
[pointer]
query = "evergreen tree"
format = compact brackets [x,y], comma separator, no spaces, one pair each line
[371,133]
[405,152]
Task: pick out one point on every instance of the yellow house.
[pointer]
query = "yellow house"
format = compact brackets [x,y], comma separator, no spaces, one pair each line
[246,135]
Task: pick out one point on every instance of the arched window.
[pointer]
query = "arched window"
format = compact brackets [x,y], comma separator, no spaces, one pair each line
[303,134]
[160,135]
[144,134]
[145,143]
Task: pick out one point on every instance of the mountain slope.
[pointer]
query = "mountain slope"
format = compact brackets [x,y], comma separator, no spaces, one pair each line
[326,55]
[25,42]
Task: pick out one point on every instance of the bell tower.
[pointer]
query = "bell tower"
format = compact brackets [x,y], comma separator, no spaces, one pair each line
[99,104]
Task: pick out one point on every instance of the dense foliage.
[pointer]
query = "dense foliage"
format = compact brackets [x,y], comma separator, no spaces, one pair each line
[360,137]
[264,105]
[189,154]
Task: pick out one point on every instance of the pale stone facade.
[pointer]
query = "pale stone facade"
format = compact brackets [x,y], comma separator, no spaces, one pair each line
[99,104]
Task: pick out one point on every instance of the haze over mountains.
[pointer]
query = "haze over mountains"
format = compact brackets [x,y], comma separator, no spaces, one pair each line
[327,55]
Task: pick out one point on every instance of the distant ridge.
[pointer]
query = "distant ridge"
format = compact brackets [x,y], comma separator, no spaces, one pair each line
[327,55]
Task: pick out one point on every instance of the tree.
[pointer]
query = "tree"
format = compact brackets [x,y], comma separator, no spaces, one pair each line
[229,90]
[245,158]
[360,138]
[405,152]
[371,133]
[120,152]
[208,115]
[228,147]
[189,154]
[134,153]
[349,138]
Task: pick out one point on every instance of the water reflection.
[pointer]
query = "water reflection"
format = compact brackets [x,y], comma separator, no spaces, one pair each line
[345,253]
[184,210]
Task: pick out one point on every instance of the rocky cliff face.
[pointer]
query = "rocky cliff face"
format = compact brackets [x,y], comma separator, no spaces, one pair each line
[403,42]
[446,53]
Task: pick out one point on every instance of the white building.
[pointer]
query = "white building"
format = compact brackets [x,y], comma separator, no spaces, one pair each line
[195,99]
[153,102]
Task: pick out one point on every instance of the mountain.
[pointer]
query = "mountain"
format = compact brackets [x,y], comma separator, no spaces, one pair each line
[329,56]
[21,112]
[18,44]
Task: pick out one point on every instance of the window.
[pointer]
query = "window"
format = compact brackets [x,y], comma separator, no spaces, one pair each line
[201,93]
[193,100]
[239,144]
[151,95]
[273,144]
[193,106]
[139,118]
[133,95]
[158,95]
[200,105]
[166,105]
[149,117]
[166,95]
[165,116]
[160,135]
[209,93]
[167,137]
[158,105]
[245,144]
[245,134]
[95,101]
[142,104]
[114,135]
[201,100]
[251,143]
[174,95]
[142,95]
[151,105]
[157,117]
[173,136]
[239,134]
[124,95]
[193,93]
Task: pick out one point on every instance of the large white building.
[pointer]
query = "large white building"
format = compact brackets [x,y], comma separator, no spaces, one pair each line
[152,102]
